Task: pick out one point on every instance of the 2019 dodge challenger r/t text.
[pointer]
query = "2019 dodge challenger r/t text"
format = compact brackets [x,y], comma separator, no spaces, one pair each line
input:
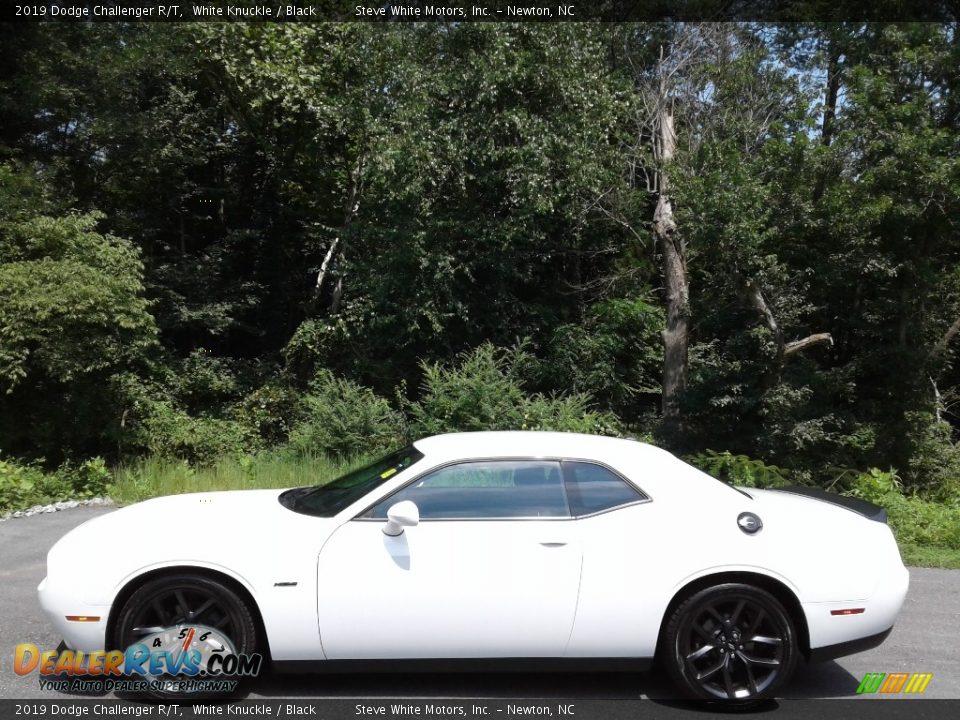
[544,548]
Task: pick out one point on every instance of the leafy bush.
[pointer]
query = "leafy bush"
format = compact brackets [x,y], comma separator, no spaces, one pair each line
[201,381]
[316,344]
[152,422]
[170,432]
[269,412]
[484,392]
[615,355]
[921,522]
[91,478]
[567,413]
[934,463]
[481,393]
[914,520]
[342,419]
[876,486]
[20,485]
[24,485]
[739,469]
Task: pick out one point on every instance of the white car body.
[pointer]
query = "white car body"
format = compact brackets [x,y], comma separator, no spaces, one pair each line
[598,586]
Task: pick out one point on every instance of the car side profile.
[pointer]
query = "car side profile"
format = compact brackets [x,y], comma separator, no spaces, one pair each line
[530,548]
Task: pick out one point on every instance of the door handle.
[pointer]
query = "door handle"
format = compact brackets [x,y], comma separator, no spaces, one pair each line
[553,544]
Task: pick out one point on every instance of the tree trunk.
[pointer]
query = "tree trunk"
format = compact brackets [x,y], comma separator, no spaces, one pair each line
[322,275]
[676,282]
[350,208]
[759,302]
[831,96]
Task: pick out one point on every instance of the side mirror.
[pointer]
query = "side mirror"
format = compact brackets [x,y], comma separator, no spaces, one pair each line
[403,514]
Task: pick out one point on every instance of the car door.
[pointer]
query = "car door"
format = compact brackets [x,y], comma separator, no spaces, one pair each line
[491,570]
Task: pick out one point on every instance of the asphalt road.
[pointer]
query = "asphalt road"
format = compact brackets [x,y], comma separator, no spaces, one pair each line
[926,639]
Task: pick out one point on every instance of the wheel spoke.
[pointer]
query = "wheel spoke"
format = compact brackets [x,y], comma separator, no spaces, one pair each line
[755,625]
[697,654]
[765,640]
[727,679]
[737,611]
[221,622]
[203,608]
[720,618]
[710,672]
[161,612]
[751,680]
[769,662]
[182,607]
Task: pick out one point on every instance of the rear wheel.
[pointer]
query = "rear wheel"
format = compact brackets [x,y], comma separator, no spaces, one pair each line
[731,642]
[194,606]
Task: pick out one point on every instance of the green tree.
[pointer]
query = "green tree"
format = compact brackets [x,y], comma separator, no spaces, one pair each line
[72,313]
[887,219]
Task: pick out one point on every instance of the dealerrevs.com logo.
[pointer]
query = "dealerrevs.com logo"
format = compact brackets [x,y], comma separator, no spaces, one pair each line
[185,659]
[894,683]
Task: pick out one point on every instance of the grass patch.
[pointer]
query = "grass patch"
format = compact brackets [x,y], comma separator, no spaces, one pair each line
[930,556]
[927,532]
[154,477]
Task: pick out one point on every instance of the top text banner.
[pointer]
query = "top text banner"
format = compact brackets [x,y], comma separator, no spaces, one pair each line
[480,11]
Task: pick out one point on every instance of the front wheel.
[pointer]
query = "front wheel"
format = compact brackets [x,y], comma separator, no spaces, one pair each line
[730,642]
[186,612]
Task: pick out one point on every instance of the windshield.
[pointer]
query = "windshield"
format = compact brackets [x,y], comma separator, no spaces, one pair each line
[329,499]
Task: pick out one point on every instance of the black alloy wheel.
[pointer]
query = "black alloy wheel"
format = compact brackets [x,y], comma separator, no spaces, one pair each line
[184,600]
[731,642]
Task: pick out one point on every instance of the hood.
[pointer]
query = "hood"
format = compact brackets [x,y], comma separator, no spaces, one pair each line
[243,531]
[183,512]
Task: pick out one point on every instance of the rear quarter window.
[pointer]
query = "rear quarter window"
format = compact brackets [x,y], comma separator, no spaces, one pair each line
[593,488]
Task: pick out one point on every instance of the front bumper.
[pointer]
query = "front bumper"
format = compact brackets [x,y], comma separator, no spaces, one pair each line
[82,632]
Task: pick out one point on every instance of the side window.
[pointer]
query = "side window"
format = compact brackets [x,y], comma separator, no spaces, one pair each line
[592,488]
[485,490]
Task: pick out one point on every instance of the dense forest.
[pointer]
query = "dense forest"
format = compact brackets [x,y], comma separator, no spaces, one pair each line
[738,241]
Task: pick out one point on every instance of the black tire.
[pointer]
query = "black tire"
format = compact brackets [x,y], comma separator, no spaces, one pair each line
[186,598]
[731,642]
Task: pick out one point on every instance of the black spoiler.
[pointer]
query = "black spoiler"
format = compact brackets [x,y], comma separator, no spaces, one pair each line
[860,507]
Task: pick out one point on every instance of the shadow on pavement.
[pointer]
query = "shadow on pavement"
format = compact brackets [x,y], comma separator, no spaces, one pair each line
[821,680]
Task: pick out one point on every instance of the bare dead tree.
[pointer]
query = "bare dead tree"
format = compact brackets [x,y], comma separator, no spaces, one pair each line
[660,87]
[678,110]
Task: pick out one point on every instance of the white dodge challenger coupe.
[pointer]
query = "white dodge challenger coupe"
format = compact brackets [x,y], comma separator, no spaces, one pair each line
[543,550]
